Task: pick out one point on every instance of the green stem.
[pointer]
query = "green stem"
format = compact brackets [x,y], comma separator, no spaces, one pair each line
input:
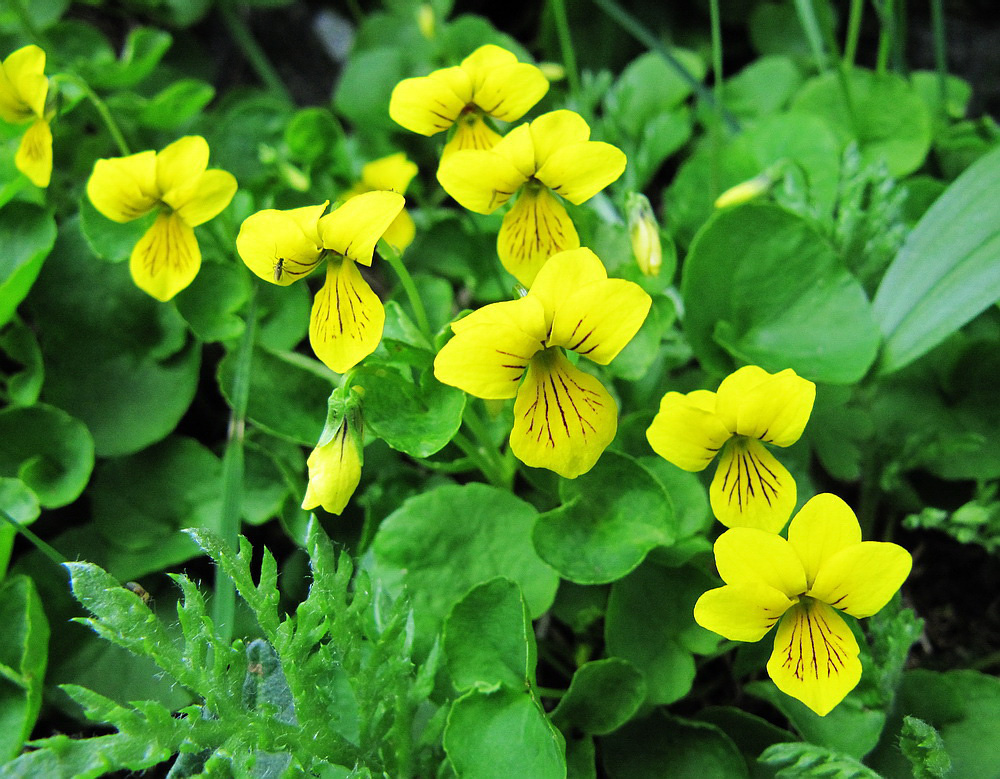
[477,455]
[479,429]
[224,602]
[940,52]
[101,107]
[549,692]
[886,34]
[810,24]
[716,49]
[853,32]
[637,30]
[47,549]
[566,45]
[252,51]
[394,259]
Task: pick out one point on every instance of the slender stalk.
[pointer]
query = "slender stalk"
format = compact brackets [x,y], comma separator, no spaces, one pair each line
[810,24]
[716,49]
[101,107]
[940,52]
[252,51]
[477,455]
[637,30]
[224,602]
[46,549]
[566,45]
[853,32]
[478,428]
[887,16]
[412,294]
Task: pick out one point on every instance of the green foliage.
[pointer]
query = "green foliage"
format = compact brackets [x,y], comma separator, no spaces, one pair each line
[792,760]
[921,744]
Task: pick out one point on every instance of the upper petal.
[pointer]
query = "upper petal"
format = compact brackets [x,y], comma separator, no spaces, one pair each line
[428,104]
[34,154]
[486,59]
[815,657]
[536,228]
[823,526]
[579,171]
[751,488]
[556,130]
[166,259]
[281,246]
[509,91]
[347,318]
[524,314]
[481,181]
[211,192]
[564,419]
[124,188]
[179,166]
[599,319]
[23,86]
[685,431]
[746,555]
[353,229]
[773,408]
[400,232]
[564,274]
[393,173]
[741,612]
[862,578]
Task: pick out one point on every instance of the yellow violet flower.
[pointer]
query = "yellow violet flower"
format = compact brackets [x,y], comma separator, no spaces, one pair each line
[563,417]
[23,91]
[490,81]
[823,567]
[335,463]
[176,183]
[394,174]
[552,154]
[284,246]
[751,488]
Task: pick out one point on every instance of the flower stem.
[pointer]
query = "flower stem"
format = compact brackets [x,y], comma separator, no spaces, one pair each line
[393,258]
[716,49]
[940,52]
[853,32]
[101,107]
[252,51]
[46,549]
[224,603]
[498,464]
[810,24]
[566,45]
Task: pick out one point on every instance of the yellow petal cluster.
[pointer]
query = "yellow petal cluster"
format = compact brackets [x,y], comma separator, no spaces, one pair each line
[752,407]
[802,584]
[23,92]
[489,82]
[178,184]
[281,247]
[553,155]
[394,174]
[563,418]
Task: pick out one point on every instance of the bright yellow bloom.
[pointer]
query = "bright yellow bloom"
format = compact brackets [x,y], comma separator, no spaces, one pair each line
[394,174]
[751,488]
[645,234]
[490,81]
[283,246]
[176,183]
[23,91]
[552,154]
[822,567]
[335,467]
[563,418]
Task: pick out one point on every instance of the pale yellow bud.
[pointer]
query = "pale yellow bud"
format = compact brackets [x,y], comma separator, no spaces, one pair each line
[426,21]
[745,191]
[645,235]
[552,71]
[334,471]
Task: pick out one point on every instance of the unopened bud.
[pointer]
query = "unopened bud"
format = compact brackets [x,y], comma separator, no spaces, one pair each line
[425,20]
[745,191]
[645,234]
[552,71]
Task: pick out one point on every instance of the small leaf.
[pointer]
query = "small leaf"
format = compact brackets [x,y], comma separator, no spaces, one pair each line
[27,234]
[797,759]
[924,749]
[602,696]
[24,645]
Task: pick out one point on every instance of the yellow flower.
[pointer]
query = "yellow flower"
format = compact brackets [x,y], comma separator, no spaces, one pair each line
[23,91]
[283,246]
[751,488]
[490,81]
[563,417]
[394,174]
[335,463]
[823,564]
[177,185]
[552,154]
[645,234]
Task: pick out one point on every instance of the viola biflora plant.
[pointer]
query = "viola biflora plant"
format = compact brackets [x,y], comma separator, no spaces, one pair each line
[659,439]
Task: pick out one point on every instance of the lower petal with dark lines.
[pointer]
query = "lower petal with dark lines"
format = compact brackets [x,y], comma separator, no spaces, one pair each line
[751,488]
[347,317]
[166,259]
[534,229]
[564,419]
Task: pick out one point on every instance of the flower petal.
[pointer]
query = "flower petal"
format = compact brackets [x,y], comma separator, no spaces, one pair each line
[281,246]
[564,419]
[534,229]
[563,274]
[488,356]
[823,526]
[34,155]
[815,657]
[481,181]
[509,91]
[353,229]
[751,488]
[124,188]
[746,555]
[166,259]
[485,59]
[334,473]
[556,130]
[393,173]
[471,132]
[178,167]
[430,104]
[518,147]
[23,85]
[741,612]
[862,578]
[579,171]
[686,431]
[400,234]
[347,317]
[211,193]
[773,408]
[598,320]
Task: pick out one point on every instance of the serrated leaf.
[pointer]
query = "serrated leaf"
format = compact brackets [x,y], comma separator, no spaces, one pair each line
[797,759]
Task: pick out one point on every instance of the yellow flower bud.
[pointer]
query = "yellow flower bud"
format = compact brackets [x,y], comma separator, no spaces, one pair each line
[645,235]
[334,470]
[745,191]
[553,71]
[425,20]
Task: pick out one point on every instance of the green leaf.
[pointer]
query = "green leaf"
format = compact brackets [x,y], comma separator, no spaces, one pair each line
[762,286]
[43,13]
[661,746]
[948,270]
[775,28]
[884,114]
[21,504]
[751,734]
[61,757]
[418,416]
[210,304]
[489,640]
[602,696]
[796,760]
[47,449]
[610,518]
[924,749]
[502,734]
[19,346]
[143,50]
[763,87]
[440,544]
[365,85]
[176,105]
[27,234]
[24,645]
[838,430]
[282,316]
[111,241]
[649,87]
[312,133]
